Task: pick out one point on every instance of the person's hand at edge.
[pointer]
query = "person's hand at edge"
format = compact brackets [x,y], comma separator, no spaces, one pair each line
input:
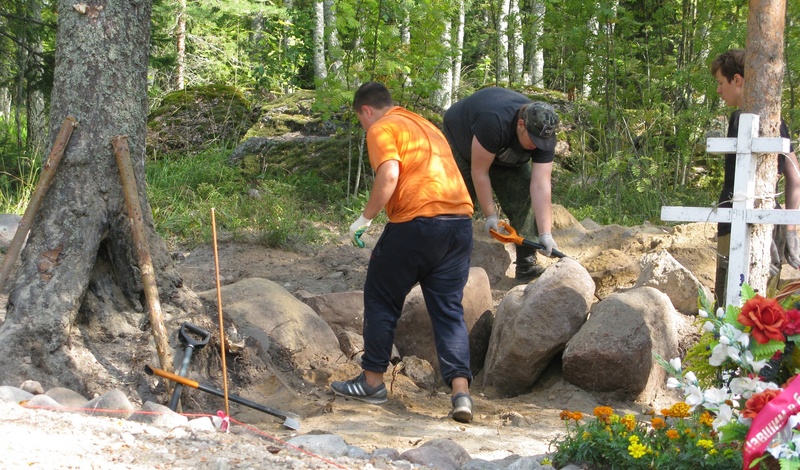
[549,244]
[774,259]
[357,229]
[491,224]
[793,249]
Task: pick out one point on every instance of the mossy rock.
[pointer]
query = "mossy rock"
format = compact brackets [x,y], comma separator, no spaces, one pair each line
[296,113]
[189,120]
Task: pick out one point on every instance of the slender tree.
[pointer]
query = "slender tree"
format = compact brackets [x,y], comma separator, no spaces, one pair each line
[536,51]
[320,66]
[762,96]
[180,47]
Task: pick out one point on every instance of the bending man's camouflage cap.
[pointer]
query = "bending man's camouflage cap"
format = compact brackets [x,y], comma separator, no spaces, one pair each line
[541,121]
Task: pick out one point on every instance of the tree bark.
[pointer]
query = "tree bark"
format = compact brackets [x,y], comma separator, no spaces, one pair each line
[80,259]
[762,96]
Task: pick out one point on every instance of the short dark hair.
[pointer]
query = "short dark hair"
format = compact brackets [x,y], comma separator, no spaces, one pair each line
[729,63]
[372,94]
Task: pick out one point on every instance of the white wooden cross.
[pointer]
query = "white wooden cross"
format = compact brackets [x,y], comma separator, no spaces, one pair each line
[746,145]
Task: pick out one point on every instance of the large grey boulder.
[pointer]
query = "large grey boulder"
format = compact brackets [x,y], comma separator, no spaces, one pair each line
[613,351]
[340,310]
[663,272]
[267,313]
[532,325]
[414,334]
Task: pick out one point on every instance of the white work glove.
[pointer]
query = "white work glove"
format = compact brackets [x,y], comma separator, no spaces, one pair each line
[549,244]
[491,224]
[774,259]
[357,229]
[793,249]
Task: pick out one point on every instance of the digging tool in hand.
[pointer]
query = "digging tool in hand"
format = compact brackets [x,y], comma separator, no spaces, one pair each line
[194,338]
[512,237]
[290,420]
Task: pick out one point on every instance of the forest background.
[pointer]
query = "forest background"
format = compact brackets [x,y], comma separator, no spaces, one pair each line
[634,76]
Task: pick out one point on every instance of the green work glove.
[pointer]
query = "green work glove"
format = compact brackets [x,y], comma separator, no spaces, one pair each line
[357,229]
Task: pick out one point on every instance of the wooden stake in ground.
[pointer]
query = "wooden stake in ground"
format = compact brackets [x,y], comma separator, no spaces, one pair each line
[121,151]
[46,178]
[219,310]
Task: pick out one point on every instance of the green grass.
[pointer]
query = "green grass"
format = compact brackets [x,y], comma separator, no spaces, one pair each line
[275,209]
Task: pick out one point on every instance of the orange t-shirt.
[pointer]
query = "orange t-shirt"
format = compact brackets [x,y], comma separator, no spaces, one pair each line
[430,183]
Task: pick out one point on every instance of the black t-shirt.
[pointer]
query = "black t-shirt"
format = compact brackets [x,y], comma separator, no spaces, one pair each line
[491,115]
[726,195]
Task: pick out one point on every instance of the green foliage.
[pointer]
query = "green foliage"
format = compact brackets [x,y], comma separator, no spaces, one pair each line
[276,208]
[678,440]
[18,172]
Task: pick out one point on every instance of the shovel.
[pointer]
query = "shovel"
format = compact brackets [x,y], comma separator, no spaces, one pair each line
[512,237]
[194,338]
[290,421]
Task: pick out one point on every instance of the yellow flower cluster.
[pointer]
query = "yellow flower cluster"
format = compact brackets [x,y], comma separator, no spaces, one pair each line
[629,421]
[636,448]
[678,410]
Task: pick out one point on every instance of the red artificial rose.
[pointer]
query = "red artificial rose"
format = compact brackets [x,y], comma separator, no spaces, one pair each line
[757,402]
[765,316]
[792,325]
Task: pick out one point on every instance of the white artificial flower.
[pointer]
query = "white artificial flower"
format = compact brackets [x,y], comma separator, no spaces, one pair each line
[716,396]
[673,383]
[702,313]
[690,378]
[748,360]
[721,352]
[720,312]
[708,327]
[675,362]
[724,416]
[744,386]
[694,395]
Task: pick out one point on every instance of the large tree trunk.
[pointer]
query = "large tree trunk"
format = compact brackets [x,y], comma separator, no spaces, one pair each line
[762,96]
[80,261]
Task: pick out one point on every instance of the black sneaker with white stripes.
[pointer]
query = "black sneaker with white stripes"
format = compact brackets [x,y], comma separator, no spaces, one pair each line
[357,388]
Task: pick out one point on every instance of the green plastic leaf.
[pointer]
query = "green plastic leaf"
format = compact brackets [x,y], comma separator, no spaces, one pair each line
[733,432]
[789,464]
[766,351]
[747,292]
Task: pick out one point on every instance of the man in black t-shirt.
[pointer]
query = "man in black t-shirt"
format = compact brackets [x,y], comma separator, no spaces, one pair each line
[504,145]
[728,70]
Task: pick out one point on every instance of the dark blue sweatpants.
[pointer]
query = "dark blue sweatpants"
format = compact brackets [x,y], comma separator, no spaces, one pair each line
[435,252]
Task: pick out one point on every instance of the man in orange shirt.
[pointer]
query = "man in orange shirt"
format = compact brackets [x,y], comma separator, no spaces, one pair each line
[428,240]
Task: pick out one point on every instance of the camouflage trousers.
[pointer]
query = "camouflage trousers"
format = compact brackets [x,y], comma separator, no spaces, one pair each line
[511,186]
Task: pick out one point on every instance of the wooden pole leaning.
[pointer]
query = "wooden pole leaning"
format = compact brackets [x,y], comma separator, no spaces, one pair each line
[219,311]
[46,178]
[122,152]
